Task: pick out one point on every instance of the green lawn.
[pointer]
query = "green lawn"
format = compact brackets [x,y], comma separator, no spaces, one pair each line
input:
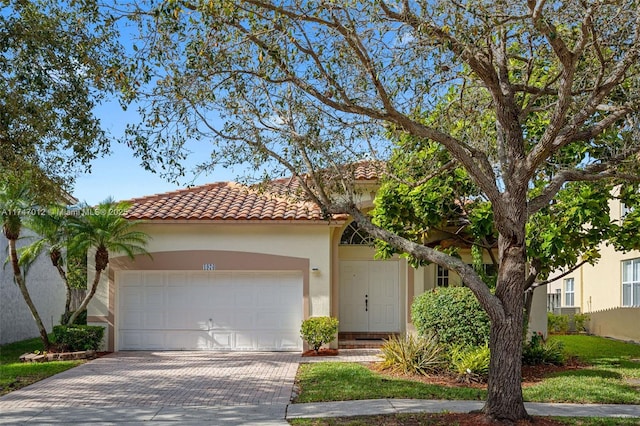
[594,350]
[606,380]
[15,374]
[337,381]
[613,366]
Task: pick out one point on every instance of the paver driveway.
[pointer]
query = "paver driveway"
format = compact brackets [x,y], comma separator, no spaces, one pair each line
[161,379]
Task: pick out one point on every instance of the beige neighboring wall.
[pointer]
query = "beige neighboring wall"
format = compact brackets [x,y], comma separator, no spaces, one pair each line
[602,283]
[598,290]
[615,323]
[597,287]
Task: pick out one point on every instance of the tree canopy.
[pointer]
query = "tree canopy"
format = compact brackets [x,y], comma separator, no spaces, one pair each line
[517,105]
[58,60]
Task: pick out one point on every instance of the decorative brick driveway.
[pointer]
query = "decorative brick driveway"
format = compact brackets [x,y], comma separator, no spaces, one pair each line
[161,379]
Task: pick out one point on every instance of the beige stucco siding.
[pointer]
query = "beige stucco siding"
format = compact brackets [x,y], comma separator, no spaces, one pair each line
[602,284]
[597,287]
[245,246]
[310,242]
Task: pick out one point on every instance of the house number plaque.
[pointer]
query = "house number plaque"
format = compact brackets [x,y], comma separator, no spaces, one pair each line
[208,266]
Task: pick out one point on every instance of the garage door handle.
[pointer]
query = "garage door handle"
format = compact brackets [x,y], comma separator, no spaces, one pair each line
[366,303]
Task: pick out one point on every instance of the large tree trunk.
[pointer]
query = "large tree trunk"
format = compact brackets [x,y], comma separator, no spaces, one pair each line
[504,399]
[22,285]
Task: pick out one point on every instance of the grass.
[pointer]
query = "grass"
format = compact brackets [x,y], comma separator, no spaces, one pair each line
[15,374]
[336,381]
[440,420]
[607,380]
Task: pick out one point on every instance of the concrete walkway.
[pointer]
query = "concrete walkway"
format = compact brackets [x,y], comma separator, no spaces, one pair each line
[209,388]
[396,406]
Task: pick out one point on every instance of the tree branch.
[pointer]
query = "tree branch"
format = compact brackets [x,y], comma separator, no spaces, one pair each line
[471,279]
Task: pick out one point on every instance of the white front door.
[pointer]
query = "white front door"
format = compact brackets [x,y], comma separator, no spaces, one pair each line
[369,296]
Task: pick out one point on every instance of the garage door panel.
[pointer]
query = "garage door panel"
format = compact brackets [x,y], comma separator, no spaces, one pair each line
[268,341]
[154,320]
[153,279]
[243,320]
[209,310]
[132,320]
[221,340]
[244,341]
[154,297]
[178,298]
[223,293]
[245,295]
[132,294]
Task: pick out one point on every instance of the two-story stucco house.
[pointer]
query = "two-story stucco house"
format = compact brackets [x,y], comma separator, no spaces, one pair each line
[234,268]
[608,291]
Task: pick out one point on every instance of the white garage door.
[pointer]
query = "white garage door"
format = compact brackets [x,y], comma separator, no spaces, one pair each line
[209,310]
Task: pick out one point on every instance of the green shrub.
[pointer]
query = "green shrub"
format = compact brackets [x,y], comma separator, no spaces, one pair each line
[557,324]
[537,351]
[471,364]
[78,337]
[581,321]
[453,314]
[413,354]
[317,331]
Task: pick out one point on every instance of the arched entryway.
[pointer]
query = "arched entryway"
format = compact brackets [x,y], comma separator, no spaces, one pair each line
[369,290]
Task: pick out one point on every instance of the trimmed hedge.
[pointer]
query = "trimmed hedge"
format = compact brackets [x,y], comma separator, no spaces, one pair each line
[78,337]
[557,324]
[453,314]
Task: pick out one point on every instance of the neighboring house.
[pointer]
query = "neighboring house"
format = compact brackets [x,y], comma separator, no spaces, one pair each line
[608,291]
[45,287]
[234,268]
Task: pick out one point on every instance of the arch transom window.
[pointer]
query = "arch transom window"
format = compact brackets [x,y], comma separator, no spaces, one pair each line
[354,236]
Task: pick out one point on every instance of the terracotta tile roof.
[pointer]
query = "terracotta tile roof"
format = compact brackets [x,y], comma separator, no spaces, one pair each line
[221,201]
[368,170]
[281,199]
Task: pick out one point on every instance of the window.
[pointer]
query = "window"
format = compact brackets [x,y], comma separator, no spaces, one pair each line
[631,282]
[624,210]
[569,292]
[442,277]
[353,235]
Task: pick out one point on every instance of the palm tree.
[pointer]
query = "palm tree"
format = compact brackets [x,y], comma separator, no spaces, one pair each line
[106,231]
[16,200]
[52,230]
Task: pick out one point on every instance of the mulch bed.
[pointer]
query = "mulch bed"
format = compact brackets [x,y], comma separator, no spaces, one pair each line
[55,355]
[531,374]
[442,420]
[321,352]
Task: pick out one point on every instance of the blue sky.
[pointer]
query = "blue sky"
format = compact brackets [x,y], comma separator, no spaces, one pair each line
[120,174]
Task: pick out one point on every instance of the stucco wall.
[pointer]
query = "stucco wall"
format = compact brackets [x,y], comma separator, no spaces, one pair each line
[597,287]
[304,241]
[46,289]
[616,323]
